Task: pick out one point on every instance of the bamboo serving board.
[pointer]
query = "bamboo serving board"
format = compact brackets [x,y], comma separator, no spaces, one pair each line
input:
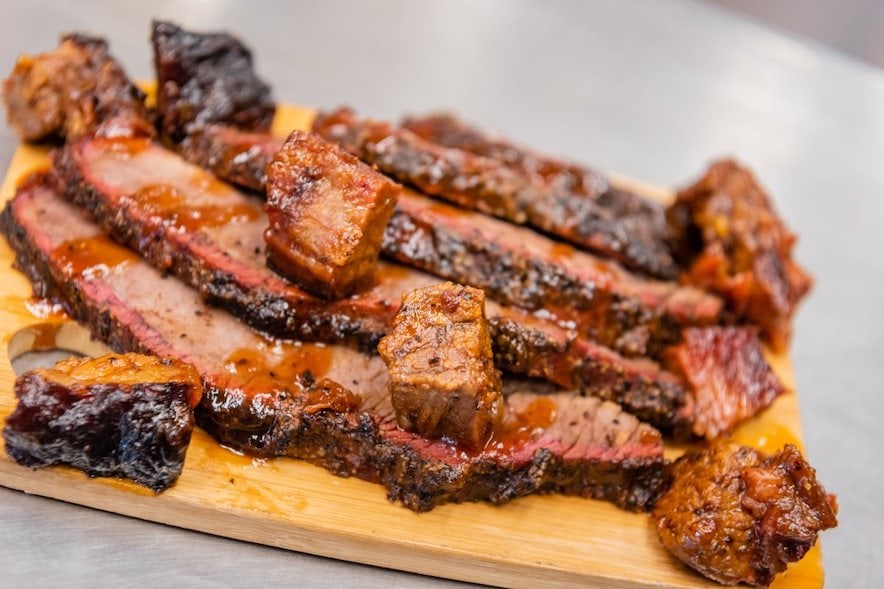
[533,541]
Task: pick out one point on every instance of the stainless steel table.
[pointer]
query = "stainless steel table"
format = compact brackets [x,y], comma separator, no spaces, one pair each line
[649,90]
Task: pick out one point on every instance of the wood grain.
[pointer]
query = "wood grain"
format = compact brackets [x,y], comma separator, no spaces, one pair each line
[549,541]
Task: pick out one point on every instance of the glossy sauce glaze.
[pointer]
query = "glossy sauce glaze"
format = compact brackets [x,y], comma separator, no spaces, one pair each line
[171,205]
[273,365]
[91,255]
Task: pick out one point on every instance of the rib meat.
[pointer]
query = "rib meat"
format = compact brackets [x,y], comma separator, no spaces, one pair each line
[75,90]
[127,416]
[275,398]
[488,186]
[118,183]
[205,78]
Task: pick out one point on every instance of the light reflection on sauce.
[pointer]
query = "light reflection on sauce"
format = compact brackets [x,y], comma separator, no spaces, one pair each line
[522,426]
[90,256]
[274,366]
[172,206]
[46,309]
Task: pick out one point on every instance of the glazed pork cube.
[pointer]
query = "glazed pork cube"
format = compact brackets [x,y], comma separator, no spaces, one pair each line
[443,380]
[327,213]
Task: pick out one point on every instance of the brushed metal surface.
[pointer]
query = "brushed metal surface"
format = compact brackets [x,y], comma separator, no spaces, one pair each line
[649,90]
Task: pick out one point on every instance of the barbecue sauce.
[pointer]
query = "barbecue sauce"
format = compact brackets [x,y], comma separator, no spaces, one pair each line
[91,255]
[172,206]
[277,365]
[522,426]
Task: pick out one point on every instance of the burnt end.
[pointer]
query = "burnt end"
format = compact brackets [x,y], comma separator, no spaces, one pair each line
[443,380]
[205,78]
[641,387]
[729,378]
[75,90]
[737,516]
[315,419]
[732,241]
[235,156]
[327,212]
[115,416]
[488,186]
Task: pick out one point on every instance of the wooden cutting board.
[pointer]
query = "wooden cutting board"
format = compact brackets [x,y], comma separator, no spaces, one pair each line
[549,540]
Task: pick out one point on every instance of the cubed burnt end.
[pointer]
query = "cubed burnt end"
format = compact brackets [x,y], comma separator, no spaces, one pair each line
[205,78]
[443,380]
[327,213]
[74,90]
[737,516]
[733,242]
[128,416]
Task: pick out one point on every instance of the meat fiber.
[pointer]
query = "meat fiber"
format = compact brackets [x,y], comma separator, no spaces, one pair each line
[276,398]
[734,243]
[730,379]
[443,380]
[205,78]
[738,516]
[75,90]
[327,212]
[486,185]
[127,416]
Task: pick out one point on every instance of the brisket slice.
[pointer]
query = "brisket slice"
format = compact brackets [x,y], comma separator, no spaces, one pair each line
[514,265]
[204,78]
[639,212]
[486,185]
[277,398]
[114,180]
[74,90]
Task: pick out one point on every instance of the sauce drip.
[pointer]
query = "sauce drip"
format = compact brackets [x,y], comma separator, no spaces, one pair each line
[522,426]
[273,366]
[44,336]
[91,256]
[171,205]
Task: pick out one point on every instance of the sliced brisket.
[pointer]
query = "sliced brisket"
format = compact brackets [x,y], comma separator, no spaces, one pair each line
[514,265]
[120,183]
[274,398]
[486,185]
